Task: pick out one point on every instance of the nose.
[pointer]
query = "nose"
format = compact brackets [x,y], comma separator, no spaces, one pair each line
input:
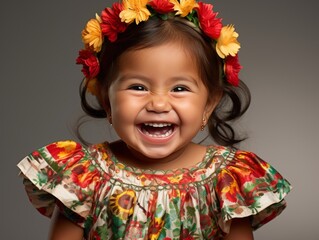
[158,103]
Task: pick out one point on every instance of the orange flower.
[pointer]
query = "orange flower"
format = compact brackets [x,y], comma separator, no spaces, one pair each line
[92,86]
[184,7]
[227,43]
[135,10]
[92,35]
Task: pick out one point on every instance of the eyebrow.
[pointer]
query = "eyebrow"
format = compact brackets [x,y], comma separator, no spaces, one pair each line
[188,79]
[129,76]
[144,78]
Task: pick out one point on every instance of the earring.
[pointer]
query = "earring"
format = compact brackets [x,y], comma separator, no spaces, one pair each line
[110,119]
[202,127]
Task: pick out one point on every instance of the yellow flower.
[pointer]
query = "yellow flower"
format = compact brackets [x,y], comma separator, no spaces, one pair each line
[175,179]
[92,35]
[67,146]
[156,228]
[92,86]
[227,43]
[184,7]
[134,10]
[120,165]
[122,203]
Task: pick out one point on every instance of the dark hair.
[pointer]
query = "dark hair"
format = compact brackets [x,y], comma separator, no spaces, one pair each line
[154,32]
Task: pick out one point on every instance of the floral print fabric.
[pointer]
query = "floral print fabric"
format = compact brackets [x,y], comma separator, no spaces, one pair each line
[113,201]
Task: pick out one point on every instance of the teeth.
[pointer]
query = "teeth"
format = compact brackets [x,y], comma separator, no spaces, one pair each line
[158,124]
[158,132]
[159,135]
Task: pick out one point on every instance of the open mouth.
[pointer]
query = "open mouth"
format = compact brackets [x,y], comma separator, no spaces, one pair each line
[157,130]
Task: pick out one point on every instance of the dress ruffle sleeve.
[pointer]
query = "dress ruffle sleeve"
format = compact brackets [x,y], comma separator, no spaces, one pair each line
[62,173]
[247,186]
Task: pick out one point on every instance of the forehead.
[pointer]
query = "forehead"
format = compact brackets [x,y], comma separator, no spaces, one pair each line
[176,49]
[164,57]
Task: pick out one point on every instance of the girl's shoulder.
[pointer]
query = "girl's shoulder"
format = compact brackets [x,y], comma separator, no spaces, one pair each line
[246,185]
[236,161]
[66,171]
[63,155]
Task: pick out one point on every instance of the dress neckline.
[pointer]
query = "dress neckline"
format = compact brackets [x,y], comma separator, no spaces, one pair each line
[204,163]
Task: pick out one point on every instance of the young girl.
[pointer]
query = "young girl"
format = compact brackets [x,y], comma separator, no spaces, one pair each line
[161,71]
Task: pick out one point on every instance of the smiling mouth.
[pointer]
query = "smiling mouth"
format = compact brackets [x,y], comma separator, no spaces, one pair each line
[157,130]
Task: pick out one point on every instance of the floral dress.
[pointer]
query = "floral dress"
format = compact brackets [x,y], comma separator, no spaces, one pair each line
[113,201]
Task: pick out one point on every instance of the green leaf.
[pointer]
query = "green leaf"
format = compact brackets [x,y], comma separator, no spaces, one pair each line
[164,17]
[42,178]
[91,168]
[159,211]
[176,232]
[167,221]
[190,211]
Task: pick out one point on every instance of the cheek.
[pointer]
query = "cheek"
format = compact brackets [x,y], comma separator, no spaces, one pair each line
[192,112]
[195,104]
[123,108]
[117,106]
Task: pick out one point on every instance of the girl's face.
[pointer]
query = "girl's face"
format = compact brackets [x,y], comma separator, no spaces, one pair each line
[158,101]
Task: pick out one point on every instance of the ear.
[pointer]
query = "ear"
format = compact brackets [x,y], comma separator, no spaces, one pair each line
[108,114]
[211,104]
[107,109]
[105,103]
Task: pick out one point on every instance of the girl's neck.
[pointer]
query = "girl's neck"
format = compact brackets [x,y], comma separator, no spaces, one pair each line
[185,157]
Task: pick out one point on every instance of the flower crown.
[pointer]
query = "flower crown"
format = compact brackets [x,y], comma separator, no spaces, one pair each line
[116,19]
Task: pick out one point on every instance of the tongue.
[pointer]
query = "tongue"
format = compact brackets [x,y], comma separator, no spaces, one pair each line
[156,130]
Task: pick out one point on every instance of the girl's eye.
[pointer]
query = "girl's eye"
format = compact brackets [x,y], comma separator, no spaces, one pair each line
[180,89]
[138,88]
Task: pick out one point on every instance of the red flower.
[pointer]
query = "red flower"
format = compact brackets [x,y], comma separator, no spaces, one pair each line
[232,69]
[36,155]
[91,66]
[205,221]
[254,166]
[135,230]
[96,235]
[65,152]
[162,6]
[210,25]
[83,174]
[42,210]
[49,173]
[186,235]
[227,186]
[111,22]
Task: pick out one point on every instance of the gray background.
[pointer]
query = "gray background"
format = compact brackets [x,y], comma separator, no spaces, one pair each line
[40,103]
